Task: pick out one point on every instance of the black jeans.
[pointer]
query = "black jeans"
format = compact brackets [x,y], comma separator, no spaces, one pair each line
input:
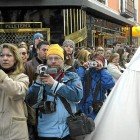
[54,138]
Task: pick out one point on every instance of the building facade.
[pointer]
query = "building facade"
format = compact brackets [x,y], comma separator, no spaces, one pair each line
[86,22]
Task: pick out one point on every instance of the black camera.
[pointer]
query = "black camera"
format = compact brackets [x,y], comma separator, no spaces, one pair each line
[92,64]
[46,70]
[47,107]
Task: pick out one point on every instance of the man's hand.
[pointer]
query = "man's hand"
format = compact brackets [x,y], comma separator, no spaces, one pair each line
[47,80]
[37,71]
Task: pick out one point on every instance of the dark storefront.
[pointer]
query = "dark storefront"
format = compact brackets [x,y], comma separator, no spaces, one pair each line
[59,20]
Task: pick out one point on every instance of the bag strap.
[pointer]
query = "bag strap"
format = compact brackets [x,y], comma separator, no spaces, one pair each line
[68,107]
[88,84]
[66,104]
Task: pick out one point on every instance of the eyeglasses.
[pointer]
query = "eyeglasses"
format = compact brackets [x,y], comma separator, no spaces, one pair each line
[53,58]
[23,53]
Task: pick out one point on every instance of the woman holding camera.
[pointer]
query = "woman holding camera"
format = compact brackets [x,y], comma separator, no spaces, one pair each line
[96,75]
[13,89]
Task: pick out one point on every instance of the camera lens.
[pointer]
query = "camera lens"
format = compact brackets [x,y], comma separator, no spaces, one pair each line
[43,68]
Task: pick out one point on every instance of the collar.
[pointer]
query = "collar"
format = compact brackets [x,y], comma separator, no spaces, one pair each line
[59,77]
[40,62]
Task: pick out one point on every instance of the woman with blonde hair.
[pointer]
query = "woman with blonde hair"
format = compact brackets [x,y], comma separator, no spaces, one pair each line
[13,89]
[100,50]
[83,56]
[113,67]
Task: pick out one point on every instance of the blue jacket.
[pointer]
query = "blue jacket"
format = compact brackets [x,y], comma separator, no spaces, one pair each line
[107,82]
[54,124]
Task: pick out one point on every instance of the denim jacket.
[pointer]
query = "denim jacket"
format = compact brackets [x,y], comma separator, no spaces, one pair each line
[54,124]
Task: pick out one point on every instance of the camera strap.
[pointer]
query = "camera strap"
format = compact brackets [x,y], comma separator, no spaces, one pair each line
[88,87]
[97,90]
[88,84]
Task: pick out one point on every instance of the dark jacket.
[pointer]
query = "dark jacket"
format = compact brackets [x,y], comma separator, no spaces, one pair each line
[121,64]
[76,64]
[32,53]
[30,69]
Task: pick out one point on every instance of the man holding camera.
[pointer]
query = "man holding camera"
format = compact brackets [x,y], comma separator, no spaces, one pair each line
[96,80]
[46,92]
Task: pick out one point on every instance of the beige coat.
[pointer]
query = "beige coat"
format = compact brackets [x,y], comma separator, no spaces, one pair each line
[13,125]
[114,71]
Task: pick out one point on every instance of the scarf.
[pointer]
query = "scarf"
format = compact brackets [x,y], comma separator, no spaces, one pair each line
[116,65]
[61,75]
[9,70]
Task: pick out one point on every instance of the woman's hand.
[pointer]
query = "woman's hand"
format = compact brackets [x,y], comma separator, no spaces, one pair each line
[99,65]
[86,64]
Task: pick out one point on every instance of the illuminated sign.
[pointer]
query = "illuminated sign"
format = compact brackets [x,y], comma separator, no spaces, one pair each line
[136,31]
[20,25]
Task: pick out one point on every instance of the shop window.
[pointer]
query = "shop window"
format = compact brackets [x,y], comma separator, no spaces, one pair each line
[50,18]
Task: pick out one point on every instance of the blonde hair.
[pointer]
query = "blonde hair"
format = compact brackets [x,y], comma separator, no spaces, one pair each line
[100,49]
[14,50]
[113,56]
[83,56]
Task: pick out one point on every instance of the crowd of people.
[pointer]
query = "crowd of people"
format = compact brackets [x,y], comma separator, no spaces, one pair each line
[35,79]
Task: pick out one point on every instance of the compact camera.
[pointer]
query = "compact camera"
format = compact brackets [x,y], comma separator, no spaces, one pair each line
[47,107]
[92,64]
[46,70]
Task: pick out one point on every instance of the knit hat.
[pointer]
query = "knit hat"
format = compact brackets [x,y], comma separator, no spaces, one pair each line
[37,35]
[98,57]
[56,49]
[68,42]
